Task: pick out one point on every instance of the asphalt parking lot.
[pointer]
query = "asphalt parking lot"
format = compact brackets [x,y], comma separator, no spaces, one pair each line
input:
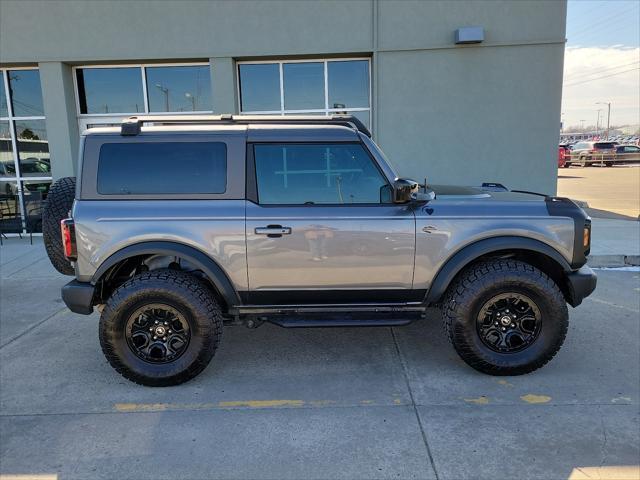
[610,192]
[314,403]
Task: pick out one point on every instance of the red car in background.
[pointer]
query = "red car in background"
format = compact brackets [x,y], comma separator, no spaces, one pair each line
[563,153]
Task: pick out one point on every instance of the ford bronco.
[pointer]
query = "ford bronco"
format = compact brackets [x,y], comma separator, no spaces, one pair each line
[179,225]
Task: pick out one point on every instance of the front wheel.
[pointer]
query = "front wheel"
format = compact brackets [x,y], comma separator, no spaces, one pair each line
[505,317]
[160,328]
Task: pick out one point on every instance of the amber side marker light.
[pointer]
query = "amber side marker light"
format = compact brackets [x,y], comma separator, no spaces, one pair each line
[586,237]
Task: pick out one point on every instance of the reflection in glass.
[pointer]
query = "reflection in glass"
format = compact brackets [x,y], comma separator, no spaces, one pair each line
[348,84]
[26,95]
[316,174]
[4,111]
[259,87]
[179,89]
[7,165]
[303,86]
[10,218]
[110,90]
[33,148]
[34,192]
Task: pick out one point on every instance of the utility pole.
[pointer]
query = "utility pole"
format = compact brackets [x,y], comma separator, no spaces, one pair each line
[166,96]
[608,104]
[598,123]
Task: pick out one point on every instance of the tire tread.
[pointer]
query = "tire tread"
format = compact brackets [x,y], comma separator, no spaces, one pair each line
[481,276]
[163,279]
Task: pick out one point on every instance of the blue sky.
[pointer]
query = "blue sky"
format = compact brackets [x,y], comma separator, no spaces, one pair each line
[597,23]
[602,62]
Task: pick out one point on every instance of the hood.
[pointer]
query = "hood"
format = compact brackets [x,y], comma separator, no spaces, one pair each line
[459,192]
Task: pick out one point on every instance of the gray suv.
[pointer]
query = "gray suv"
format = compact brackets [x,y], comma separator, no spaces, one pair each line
[179,226]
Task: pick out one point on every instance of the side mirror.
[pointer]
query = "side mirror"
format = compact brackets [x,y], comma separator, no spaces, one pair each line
[403,190]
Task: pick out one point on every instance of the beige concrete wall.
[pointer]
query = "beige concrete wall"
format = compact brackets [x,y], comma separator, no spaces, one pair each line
[456,114]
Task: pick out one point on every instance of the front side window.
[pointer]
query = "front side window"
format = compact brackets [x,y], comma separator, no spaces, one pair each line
[299,174]
[159,168]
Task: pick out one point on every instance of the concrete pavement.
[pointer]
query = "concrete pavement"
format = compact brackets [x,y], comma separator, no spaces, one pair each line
[314,403]
[612,192]
[614,243]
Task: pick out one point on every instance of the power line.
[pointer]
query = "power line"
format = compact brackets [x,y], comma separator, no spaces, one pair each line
[600,78]
[578,75]
[587,28]
[595,26]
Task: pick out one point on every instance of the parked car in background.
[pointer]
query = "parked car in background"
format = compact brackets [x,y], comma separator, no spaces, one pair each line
[586,153]
[627,154]
[563,153]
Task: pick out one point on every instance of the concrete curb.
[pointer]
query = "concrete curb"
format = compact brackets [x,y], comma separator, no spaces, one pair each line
[613,261]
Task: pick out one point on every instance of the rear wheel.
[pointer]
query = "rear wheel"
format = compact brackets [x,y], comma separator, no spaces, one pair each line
[505,317]
[160,328]
[608,164]
[567,165]
[57,207]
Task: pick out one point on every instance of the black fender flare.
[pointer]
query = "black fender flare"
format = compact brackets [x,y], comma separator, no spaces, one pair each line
[469,253]
[211,269]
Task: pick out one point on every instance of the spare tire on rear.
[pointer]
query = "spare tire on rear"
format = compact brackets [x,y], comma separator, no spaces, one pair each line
[57,207]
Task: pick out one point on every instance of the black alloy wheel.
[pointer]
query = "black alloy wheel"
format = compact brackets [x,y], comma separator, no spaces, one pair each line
[509,322]
[157,333]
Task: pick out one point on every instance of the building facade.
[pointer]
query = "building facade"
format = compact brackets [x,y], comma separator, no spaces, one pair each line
[448,112]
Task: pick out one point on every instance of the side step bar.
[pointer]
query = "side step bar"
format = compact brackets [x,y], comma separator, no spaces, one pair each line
[310,322]
[328,308]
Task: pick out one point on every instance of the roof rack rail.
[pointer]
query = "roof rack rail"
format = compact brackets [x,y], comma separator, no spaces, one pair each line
[131,126]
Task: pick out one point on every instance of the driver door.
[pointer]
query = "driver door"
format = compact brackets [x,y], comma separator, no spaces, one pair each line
[322,228]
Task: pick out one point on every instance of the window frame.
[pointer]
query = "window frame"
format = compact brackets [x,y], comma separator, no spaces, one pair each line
[11,119]
[143,78]
[252,176]
[282,111]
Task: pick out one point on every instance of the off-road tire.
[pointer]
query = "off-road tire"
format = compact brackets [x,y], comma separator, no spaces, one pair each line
[180,290]
[482,281]
[57,207]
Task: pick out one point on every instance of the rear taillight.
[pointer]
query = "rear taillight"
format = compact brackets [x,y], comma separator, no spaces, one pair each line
[68,232]
[586,237]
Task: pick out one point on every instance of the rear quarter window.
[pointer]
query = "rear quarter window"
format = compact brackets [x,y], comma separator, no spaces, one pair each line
[165,168]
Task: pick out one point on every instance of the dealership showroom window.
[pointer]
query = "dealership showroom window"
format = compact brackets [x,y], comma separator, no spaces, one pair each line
[105,94]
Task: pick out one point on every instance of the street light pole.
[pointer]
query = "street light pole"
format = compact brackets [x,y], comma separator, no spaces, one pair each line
[164,90]
[191,97]
[608,104]
[598,123]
